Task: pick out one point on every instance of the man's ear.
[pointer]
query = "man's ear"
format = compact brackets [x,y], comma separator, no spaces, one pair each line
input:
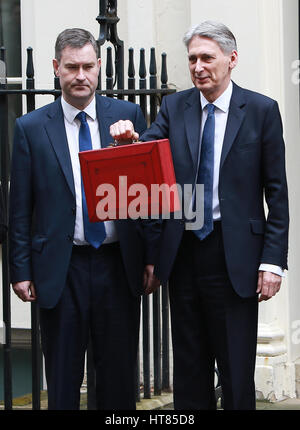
[55,67]
[233,59]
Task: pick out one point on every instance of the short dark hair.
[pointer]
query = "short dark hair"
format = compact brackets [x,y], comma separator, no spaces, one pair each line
[75,38]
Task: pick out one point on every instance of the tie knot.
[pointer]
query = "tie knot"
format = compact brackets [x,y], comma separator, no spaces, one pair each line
[210,108]
[81,116]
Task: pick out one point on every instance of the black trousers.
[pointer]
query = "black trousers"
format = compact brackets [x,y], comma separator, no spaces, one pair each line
[210,323]
[96,302]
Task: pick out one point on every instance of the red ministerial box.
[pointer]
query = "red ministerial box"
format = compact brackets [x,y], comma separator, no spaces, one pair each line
[129,181]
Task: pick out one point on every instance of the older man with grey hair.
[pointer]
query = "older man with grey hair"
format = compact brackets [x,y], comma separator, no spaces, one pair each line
[230,140]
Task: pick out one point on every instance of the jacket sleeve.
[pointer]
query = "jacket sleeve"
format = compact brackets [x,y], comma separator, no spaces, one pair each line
[20,208]
[159,129]
[276,193]
[152,228]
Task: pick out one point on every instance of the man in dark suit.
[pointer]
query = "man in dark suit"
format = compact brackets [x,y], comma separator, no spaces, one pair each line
[230,140]
[86,282]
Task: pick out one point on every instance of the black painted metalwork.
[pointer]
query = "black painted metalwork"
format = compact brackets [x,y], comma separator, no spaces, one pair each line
[36,354]
[108,21]
[7,364]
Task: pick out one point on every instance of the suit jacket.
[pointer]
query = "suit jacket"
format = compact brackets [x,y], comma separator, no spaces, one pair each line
[252,167]
[3,217]
[42,200]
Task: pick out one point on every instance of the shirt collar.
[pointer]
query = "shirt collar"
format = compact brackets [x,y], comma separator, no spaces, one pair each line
[70,111]
[222,102]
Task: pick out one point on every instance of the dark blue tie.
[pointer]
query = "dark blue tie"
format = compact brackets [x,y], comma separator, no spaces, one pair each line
[94,233]
[206,171]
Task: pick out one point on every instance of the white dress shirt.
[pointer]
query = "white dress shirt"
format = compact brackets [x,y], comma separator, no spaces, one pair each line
[72,126]
[221,115]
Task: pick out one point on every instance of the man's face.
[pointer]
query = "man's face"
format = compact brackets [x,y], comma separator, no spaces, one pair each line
[210,68]
[78,71]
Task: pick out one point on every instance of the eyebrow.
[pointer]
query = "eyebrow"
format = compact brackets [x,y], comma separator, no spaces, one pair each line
[92,63]
[202,54]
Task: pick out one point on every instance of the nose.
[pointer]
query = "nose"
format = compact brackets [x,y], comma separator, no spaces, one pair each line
[199,66]
[80,75]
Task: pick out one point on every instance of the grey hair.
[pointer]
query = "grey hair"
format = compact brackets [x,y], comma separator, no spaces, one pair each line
[75,38]
[215,31]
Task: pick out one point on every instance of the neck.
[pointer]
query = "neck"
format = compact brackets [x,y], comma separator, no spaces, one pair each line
[211,97]
[78,104]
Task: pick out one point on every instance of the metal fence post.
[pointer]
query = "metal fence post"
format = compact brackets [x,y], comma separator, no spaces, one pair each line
[5,258]
[36,354]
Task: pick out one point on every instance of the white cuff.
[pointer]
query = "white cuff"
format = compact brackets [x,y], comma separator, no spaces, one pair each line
[272,268]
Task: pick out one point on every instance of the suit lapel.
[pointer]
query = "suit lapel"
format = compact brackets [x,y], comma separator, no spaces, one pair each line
[192,121]
[105,119]
[236,116]
[56,131]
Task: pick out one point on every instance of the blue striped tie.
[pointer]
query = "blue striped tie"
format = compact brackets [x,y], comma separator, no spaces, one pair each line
[94,233]
[206,172]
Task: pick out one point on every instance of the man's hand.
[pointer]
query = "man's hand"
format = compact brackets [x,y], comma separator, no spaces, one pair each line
[123,132]
[268,285]
[25,291]
[151,283]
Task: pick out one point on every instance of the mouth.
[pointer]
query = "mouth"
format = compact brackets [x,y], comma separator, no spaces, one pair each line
[79,86]
[201,78]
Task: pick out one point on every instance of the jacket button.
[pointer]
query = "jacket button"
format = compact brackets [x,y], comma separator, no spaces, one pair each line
[73,211]
[70,237]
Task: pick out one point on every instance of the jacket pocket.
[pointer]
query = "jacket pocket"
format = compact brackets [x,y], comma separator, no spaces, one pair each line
[38,243]
[257,226]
